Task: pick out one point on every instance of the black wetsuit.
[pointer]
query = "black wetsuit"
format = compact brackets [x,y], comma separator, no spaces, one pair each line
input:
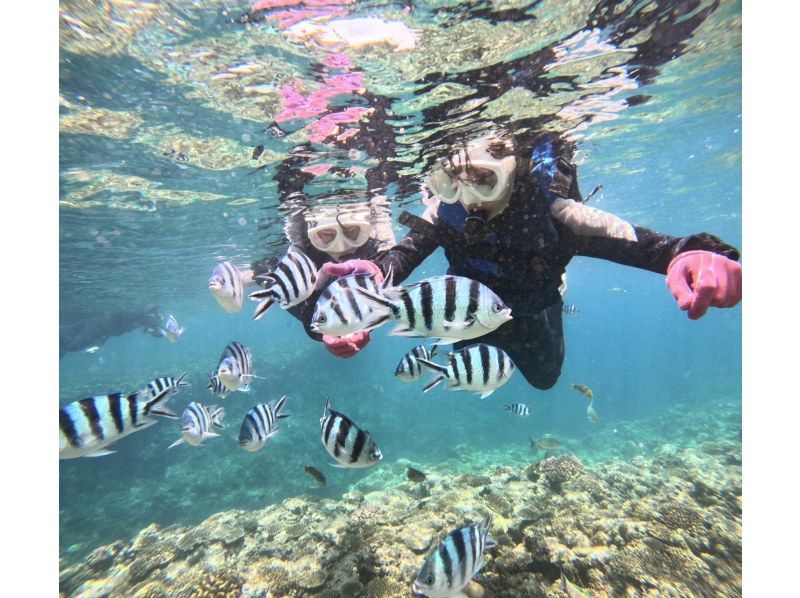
[522,253]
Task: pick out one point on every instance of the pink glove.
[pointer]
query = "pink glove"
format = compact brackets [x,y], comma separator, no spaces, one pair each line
[699,278]
[346,346]
[331,270]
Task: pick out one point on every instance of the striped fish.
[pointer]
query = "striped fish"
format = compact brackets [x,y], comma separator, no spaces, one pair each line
[570,310]
[409,369]
[87,426]
[226,286]
[157,386]
[346,442]
[451,307]
[196,423]
[291,282]
[520,409]
[260,423]
[235,368]
[171,329]
[451,565]
[218,389]
[340,310]
[480,368]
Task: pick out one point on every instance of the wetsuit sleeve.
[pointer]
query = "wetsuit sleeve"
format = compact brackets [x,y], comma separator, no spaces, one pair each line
[404,257]
[651,251]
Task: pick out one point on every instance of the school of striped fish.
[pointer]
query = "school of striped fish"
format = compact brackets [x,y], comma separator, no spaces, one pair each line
[447,309]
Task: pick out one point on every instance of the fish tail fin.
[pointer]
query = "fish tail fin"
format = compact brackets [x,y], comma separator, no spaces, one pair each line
[508,408]
[434,367]
[432,383]
[157,405]
[279,406]
[179,381]
[265,298]
[217,413]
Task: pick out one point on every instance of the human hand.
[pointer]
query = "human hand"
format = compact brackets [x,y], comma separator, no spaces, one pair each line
[346,346]
[331,270]
[699,279]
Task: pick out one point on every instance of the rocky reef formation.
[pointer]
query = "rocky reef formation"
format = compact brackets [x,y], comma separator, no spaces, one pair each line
[667,525]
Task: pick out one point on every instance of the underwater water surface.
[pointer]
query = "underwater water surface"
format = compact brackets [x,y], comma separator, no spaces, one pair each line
[162,108]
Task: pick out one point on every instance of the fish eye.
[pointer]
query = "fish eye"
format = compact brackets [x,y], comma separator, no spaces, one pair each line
[375,454]
[429,580]
[498,307]
[322,318]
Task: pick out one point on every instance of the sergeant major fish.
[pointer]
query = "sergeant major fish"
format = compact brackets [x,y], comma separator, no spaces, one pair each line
[450,307]
[260,423]
[89,425]
[235,368]
[196,423]
[158,385]
[410,369]
[481,368]
[340,310]
[346,442]
[227,287]
[520,409]
[171,329]
[290,282]
[451,565]
[570,310]
[218,389]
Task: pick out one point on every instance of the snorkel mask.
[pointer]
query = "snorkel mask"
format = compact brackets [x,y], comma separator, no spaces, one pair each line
[336,231]
[474,177]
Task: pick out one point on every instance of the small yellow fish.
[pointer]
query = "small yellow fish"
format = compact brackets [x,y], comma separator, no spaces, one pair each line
[592,414]
[415,475]
[584,390]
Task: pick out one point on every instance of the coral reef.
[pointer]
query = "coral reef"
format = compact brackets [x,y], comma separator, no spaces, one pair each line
[616,528]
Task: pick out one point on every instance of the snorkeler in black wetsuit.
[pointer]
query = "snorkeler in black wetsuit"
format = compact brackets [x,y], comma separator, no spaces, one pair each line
[514,224]
[85,332]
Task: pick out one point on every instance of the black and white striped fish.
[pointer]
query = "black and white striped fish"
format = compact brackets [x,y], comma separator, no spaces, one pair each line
[570,310]
[260,423]
[87,426]
[451,565]
[218,389]
[450,307]
[226,286]
[346,442]
[171,329]
[480,368]
[235,368]
[340,310]
[196,423]
[291,282]
[520,409]
[158,385]
[409,369]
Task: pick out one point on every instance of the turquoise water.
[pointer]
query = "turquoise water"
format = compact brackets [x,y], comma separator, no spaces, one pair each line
[141,226]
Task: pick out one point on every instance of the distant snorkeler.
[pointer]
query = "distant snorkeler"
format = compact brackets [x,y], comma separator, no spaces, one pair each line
[93,330]
[331,233]
[513,218]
